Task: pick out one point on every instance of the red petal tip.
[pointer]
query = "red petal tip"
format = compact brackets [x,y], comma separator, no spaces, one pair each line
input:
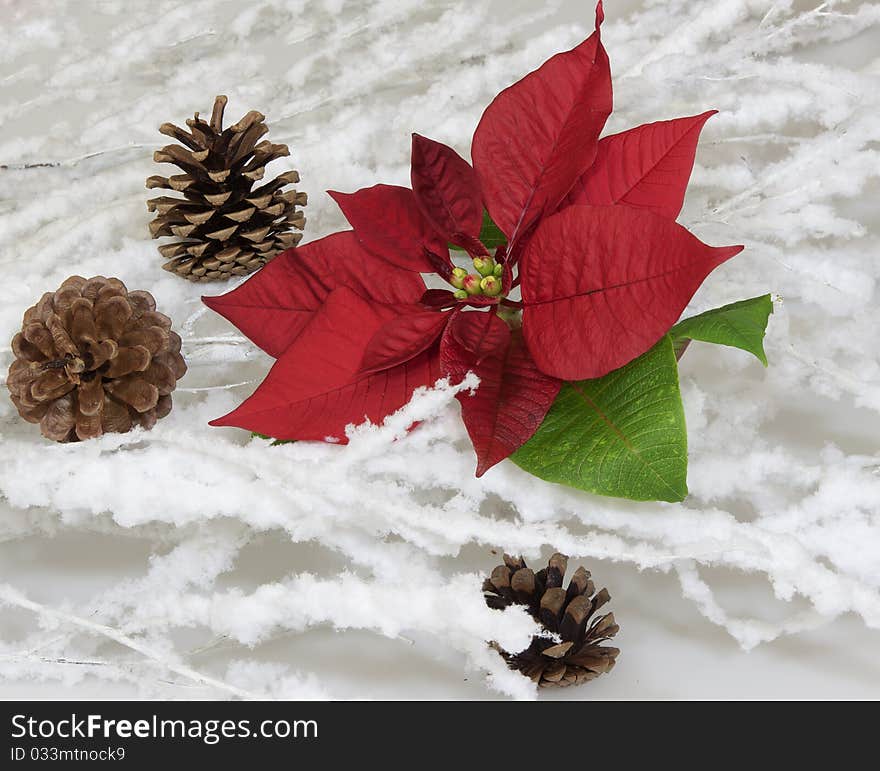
[727,252]
[600,14]
[420,146]
[227,420]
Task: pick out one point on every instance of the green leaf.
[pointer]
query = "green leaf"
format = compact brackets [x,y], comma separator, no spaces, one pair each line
[275,442]
[490,234]
[622,434]
[741,325]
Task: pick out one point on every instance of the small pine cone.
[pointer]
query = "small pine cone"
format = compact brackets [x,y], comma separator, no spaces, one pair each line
[223,227]
[580,656]
[94,358]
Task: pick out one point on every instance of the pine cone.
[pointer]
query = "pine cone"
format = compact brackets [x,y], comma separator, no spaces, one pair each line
[94,358]
[223,226]
[579,656]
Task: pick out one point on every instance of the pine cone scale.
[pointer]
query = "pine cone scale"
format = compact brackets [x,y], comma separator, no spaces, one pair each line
[60,418]
[90,397]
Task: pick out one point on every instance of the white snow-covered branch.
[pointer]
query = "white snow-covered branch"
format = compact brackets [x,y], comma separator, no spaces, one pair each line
[218,558]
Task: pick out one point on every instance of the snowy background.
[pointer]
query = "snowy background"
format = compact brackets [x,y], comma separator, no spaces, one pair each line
[190,562]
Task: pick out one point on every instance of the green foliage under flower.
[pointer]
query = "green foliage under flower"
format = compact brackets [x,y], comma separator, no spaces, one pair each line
[624,434]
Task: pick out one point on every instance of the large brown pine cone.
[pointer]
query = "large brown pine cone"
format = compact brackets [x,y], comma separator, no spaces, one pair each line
[223,226]
[578,655]
[93,358]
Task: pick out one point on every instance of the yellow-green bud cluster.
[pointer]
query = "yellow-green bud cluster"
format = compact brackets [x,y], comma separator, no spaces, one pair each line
[486,281]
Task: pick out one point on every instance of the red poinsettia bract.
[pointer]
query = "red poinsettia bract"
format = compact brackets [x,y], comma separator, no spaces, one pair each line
[595,270]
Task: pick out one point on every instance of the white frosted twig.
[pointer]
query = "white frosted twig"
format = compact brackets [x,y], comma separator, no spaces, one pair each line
[75,160]
[777,138]
[749,632]
[224,387]
[10,596]
[215,339]
[803,18]
[202,309]
[849,381]
[50,660]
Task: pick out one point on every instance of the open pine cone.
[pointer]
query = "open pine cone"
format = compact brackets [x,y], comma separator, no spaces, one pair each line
[93,358]
[580,656]
[224,227]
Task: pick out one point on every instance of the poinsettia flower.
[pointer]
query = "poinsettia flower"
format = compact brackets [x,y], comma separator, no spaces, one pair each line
[594,272]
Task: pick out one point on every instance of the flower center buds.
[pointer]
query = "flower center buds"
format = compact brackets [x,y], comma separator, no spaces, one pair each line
[458,277]
[491,286]
[485,282]
[471,284]
[484,266]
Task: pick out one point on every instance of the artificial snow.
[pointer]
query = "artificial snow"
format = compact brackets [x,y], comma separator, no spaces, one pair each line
[783,462]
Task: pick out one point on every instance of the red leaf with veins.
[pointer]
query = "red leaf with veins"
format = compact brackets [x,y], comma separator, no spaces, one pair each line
[513,396]
[442,265]
[478,334]
[602,284]
[438,298]
[647,167]
[275,304]
[315,390]
[482,301]
[473,246]
[387,221]
[447,190]
[540,134]
[401,338]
